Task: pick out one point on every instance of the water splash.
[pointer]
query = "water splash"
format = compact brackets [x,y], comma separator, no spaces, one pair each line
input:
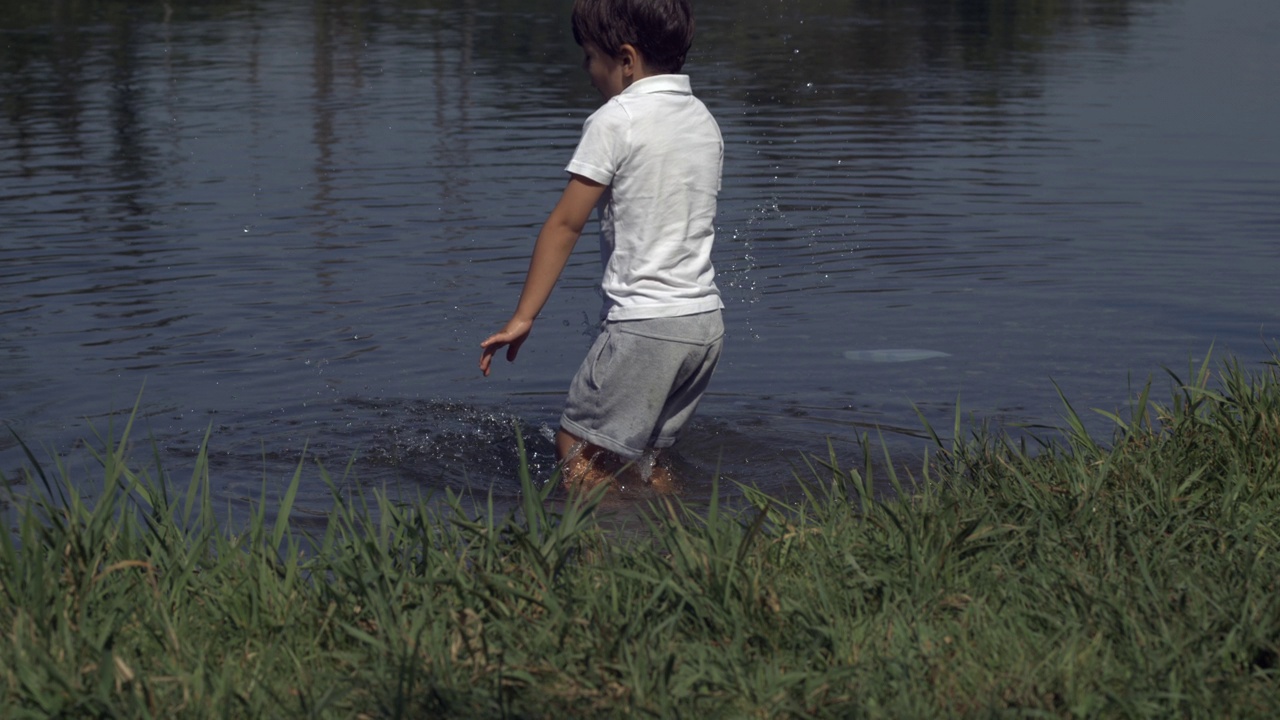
[474,447]
[739,277]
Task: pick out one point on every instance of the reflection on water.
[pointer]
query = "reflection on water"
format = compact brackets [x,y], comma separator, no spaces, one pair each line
[294,223]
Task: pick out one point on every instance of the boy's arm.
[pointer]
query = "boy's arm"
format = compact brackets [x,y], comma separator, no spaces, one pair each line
[556,240]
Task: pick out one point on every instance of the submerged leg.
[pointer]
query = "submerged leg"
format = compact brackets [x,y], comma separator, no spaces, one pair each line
[585,466]
[565,444]
[659,477]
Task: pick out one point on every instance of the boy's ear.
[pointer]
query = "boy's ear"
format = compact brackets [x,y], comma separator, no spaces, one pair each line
[629,58]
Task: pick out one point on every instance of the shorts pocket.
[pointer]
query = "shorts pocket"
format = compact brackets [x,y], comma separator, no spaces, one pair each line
[603,352]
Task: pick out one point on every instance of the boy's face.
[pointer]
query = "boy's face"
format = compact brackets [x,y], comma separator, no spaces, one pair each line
[605,71]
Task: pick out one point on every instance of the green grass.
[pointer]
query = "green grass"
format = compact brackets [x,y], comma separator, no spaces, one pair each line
[1071,579]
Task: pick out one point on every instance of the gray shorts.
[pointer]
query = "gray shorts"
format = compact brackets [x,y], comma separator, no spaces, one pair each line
[642,380]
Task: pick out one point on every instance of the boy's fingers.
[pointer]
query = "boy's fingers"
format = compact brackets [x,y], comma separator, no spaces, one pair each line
[486,356]
[511,339]
[514,348]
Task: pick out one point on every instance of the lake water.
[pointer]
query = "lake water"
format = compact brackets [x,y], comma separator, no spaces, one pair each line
[295,222]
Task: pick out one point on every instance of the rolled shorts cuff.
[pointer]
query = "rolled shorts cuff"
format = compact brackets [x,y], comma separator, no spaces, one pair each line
[595,438]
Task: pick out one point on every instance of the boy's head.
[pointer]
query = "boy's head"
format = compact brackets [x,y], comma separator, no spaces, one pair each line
[660,30]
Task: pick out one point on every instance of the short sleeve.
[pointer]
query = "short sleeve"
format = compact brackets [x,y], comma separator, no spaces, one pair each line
[603,146]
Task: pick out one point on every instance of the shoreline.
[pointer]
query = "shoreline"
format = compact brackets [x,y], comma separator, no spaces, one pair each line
[1132,577]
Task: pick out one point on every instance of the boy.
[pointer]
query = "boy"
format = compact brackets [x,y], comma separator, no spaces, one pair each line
[649,160]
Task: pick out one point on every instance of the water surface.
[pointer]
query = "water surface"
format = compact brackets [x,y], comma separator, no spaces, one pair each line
[294,223]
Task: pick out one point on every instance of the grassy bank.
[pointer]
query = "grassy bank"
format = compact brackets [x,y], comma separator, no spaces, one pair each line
[1137,579]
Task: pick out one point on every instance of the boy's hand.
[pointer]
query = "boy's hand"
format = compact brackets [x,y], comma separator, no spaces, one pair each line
[512,336]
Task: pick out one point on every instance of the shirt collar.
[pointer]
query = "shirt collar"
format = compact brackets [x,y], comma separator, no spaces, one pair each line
[660,84]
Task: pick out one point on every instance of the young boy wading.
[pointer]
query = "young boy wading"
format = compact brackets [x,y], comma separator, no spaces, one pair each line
[649,160]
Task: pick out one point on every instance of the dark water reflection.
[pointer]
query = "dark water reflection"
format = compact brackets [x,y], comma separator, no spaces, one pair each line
[295,222]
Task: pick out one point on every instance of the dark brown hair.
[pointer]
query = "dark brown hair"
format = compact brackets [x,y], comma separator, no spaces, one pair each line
[661,30]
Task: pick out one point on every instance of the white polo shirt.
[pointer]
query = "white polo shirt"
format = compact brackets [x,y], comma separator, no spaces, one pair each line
[660,152]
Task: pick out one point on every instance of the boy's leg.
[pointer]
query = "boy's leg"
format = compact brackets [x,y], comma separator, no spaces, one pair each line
[565,443]
[660,478]
[585,466]
[639,376]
